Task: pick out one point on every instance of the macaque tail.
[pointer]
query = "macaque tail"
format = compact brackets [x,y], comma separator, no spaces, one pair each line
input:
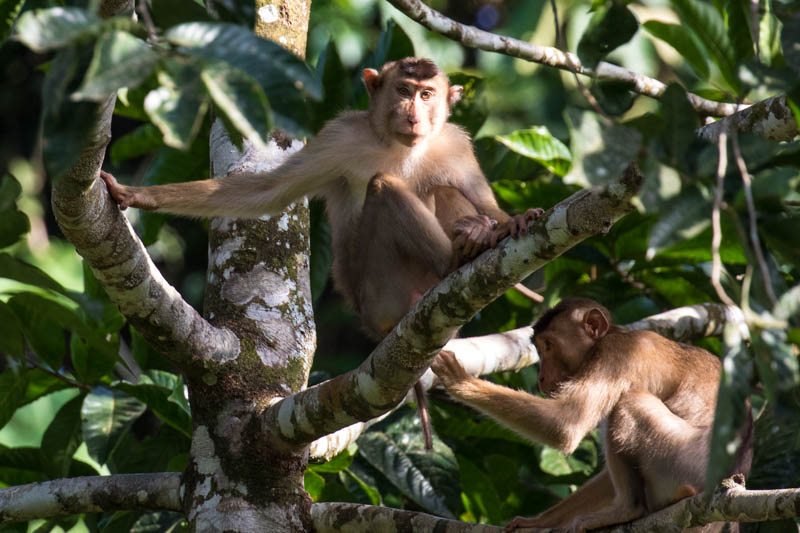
[532,295]
[422,405]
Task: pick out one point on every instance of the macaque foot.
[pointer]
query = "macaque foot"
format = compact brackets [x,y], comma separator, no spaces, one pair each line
[517,226]
[449,370]
[472,235]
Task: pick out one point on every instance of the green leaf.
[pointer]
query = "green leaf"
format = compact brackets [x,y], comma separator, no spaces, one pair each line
[66,124]
[42,323]
[13,268]
[13,223]
[383,454]
[538,144]
[684,217]
[479,489]
[43,30]
[335,465]
[179,105]
[372,493]
[107,416]
[336,80]
[614,97]
[10,332]
[609,28]
[94,357]
[313,483]
[679,37]
[471,110]
[393,44]
[9,10]
[12,394]
[706,22]
[143,140]
[738,23]
[157,398]
[284,77]
[240,98]
[120,60]
[62,438]
[680,123]
[168,13]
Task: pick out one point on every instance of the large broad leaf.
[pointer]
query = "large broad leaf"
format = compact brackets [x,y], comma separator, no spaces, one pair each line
[107,416]
[66,124]
[732,409]
[93,357]
[609,28]
[479,491]
[284,77]
[120,60]
[471,110]
[12,393]
[241,101]
[707,23]
[13,268]
[680,123]
[538,144]
[13,223]
[600,152]
[677,36]
[62,438]
[158,398]
[179,104]
[386,456]
[790,42]
[47,29]
[393,44]
[143,140]
[683,217]
[336,80]
[10,332]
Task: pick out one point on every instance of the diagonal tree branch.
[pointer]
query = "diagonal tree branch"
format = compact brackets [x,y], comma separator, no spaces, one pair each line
[359,518]
[383,380]
[771,118]
[91,494]
[546,55]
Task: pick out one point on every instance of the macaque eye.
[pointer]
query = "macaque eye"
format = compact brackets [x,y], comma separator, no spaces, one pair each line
[403,91]
[426,94]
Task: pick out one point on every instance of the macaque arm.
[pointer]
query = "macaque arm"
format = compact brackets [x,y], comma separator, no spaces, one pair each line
[558,422]
[306,172]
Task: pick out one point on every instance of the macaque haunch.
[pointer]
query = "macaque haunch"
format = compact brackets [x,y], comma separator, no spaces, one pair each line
[656,396]
[406,199]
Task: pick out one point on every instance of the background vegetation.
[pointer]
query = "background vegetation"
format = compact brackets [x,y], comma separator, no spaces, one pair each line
[69,405]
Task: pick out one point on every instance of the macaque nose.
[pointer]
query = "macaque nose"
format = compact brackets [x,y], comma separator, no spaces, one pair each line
[413,119]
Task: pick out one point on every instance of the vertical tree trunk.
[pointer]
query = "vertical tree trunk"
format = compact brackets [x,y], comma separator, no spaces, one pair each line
[240,477]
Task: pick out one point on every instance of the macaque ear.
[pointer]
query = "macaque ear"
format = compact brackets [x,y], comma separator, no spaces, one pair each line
[371,77]
[454,94]
[595,324]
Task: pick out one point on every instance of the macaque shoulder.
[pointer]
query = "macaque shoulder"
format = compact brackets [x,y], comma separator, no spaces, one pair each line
[347,128]
[452,153]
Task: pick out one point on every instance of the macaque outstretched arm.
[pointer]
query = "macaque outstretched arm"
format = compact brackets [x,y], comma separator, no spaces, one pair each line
[558,422]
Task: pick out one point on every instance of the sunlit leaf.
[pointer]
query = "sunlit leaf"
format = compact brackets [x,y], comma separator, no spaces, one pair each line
[682,218]
[47,29]
[156,398]
[538,144]
[62,438]
[12,394]
[707,23]
[241,99]
[609,28]
[679,37]
[120,60]
[9,9]
[179,105]
[106,416]
[313,483]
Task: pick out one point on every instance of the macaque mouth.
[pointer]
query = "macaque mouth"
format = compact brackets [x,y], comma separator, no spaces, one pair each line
[408,139]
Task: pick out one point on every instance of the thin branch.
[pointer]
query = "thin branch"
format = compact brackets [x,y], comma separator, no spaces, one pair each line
[546,55]
[91,494]
[142,9]
[716,229]
[755,242]
[382,381]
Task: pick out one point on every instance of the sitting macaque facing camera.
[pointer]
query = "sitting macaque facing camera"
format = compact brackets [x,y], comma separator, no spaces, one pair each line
[657,397]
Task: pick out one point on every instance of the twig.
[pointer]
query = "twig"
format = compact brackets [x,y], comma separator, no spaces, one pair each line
[31,358]
[547,55]
[716,238]
[751,211]
[141,8]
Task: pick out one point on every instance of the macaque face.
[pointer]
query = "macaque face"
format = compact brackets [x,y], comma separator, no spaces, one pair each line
[417,108]
[563,348]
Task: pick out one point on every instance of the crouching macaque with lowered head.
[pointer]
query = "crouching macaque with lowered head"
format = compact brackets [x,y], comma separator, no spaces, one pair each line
[406,199]
[657,398]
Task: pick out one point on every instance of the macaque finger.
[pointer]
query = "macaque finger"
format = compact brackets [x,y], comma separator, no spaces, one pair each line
[448,369]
